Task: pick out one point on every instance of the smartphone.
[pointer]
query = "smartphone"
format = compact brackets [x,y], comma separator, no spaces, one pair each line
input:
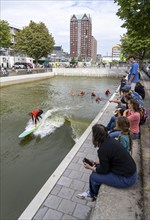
[85,160]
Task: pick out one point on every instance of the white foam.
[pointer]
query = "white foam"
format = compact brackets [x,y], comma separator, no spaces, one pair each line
[51,121]
[49,125]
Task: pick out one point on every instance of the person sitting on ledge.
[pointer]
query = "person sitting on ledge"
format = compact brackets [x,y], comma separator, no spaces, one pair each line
[125,137]
[139,88]
[115,168]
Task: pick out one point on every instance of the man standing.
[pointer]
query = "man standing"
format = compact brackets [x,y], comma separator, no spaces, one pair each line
[133,76]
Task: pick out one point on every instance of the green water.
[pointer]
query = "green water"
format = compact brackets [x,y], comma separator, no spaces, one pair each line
[27,163]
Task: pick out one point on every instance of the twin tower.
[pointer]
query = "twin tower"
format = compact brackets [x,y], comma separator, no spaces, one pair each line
[82,43]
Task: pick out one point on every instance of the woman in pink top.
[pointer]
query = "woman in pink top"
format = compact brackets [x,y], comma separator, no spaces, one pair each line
[133,114]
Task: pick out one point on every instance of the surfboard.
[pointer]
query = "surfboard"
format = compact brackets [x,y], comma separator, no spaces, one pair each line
[29,131]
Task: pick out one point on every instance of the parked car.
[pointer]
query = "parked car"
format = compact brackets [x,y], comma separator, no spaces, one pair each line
[28,65]
[22,65]
[19,65]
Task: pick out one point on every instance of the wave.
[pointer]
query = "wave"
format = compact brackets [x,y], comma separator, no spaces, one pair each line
[55,118]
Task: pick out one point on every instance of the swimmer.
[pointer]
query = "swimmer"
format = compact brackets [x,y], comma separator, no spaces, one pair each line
[107,92]
[98,99]
[93,94]
[82,93]
[73,94]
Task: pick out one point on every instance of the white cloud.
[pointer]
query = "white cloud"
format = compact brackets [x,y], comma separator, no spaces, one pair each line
[56,16]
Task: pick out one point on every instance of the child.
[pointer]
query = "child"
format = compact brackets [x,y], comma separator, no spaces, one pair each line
[125,138]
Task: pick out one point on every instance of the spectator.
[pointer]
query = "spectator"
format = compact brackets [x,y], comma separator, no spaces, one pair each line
[115,166]
[125,138]
[139,88]
[133,114]
[123,83]
[133,76]
[118,112]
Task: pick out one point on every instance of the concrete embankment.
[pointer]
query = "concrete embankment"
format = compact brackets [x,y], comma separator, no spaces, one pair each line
[10,80]
[93,72]
[133,203]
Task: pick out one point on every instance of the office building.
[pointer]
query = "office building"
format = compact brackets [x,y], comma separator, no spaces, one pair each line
[94,49]
[81,36]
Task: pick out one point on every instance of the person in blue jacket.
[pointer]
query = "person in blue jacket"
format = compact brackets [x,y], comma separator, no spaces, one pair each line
[133,76]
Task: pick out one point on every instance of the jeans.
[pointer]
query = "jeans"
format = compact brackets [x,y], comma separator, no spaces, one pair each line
[109,179]
[135,136]
[114,134]
[112,123]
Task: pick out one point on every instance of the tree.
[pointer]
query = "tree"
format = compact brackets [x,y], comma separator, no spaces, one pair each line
[34,41]
[133,44]
[5,36]
[136,16]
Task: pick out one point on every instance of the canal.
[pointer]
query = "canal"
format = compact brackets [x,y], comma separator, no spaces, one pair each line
[27,163]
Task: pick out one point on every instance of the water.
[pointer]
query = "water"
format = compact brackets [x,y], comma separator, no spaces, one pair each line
[27,163]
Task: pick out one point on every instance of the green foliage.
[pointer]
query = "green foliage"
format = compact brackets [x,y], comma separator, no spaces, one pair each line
[131,43]
[136,16]
[80,58]
[115,62]
[5,36]
[34,41]
[73,60]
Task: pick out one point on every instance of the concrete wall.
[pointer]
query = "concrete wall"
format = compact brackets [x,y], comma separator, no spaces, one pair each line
[20,77]
[100,72]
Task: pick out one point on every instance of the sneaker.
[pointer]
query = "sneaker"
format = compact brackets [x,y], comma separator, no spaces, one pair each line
[85,195]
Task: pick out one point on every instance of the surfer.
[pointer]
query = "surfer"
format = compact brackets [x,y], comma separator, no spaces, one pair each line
[36,114]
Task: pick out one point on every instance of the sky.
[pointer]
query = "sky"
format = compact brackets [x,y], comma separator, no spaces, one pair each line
[56,14]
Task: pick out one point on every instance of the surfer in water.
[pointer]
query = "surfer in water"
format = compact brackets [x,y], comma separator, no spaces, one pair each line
[36,114]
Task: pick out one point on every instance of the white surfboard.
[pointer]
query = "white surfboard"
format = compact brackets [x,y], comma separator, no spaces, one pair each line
[29,131]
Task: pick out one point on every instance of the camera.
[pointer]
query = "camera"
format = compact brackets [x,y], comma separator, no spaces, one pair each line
[85,160]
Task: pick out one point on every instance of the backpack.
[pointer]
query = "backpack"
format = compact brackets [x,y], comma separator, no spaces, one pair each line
[144,116]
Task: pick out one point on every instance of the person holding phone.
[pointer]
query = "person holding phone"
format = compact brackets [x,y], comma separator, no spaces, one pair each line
[116,167]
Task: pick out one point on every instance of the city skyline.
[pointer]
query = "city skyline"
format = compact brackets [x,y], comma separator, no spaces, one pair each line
[56,16]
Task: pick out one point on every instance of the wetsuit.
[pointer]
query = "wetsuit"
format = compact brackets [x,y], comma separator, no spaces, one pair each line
[36,114]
